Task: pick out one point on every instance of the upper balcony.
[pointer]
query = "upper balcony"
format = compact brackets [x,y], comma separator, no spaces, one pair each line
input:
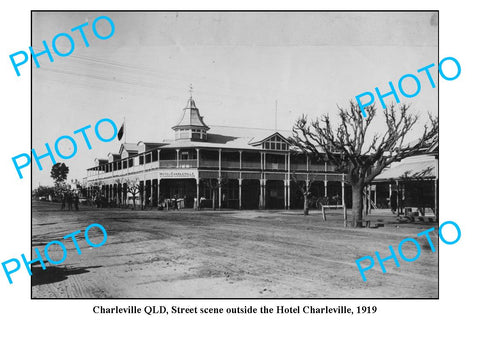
[207,159]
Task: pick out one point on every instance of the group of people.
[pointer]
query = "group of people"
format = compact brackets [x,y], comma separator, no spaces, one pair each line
[174,203]
[70,200]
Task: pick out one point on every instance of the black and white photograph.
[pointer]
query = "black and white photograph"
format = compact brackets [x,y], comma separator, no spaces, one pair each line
[239,170]
[234,154]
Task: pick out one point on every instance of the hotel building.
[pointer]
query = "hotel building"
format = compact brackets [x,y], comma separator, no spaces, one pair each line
[236,168]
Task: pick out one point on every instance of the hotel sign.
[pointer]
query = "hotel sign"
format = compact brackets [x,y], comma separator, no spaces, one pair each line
[178,173]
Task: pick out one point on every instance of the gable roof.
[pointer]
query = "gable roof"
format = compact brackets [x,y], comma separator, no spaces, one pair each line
[256,141]
[100,161]
[114,156]
[131,148]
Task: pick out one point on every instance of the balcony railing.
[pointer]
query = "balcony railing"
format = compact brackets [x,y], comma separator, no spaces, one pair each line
[275,166]
[187,163]
[120,172]
[230,164]
[208,163]
[169,163]
[316,167]
[250,165]
[212,163]
[300,166]
[321,167]
[152,165]
[136,168]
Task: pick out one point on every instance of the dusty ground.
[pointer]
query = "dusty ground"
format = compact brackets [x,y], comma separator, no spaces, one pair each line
[230,254]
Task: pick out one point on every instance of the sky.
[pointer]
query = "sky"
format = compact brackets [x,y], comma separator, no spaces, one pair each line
[238,63]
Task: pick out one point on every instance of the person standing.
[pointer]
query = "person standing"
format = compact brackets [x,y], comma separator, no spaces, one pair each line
[69,201]
[76,201]
[175,202]
[393,202]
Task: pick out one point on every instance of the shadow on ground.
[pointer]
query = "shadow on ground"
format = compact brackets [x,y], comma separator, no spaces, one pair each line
[55,274]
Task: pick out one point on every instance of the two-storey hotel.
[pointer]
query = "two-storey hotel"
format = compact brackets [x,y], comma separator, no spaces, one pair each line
[230,167]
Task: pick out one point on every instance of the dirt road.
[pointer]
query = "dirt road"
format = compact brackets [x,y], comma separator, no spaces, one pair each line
[227,254]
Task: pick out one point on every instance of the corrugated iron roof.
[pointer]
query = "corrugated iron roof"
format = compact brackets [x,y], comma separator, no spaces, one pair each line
[229,137]
[416,167]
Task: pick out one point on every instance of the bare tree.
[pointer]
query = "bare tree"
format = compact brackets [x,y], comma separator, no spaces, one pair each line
[346,147]
[304,187]
[119,192]
[213,184]
[133,187]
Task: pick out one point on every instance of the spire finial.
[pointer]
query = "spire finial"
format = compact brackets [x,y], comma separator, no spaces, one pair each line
[191,91]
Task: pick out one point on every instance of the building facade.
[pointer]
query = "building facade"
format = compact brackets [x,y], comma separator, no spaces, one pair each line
[412,182]
[225,167]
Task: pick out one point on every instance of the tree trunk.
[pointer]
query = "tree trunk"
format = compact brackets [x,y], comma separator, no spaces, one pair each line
[305,205]
[213,199]
[134,199]
[357,205]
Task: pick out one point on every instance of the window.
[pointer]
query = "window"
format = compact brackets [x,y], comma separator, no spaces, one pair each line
[124,165]
[130,162]
[276,143]
[141,159]
[155,156]
[148,158]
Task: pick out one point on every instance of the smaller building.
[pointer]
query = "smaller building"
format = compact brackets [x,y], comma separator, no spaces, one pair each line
[412,183]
